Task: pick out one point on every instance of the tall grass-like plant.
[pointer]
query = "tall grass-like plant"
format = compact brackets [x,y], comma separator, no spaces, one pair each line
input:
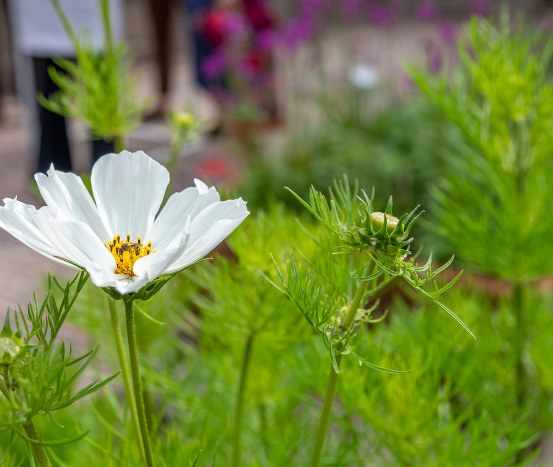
[496,210]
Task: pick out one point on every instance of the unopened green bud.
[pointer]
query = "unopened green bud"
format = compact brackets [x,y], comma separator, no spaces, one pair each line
[377,222]
[183,120]
[10,348]
[11,345]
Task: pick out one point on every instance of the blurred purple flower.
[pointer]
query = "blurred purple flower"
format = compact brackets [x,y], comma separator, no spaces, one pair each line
[434,58]
[213,66]
[426,11]
[350,9]
[435,61]
[479,7]
[265,40]
[310,8]
[380,14]
[447,32]
[235,26]
[296,32]
[408,81]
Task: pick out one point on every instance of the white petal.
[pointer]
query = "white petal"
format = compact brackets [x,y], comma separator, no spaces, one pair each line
[211,227]
[67,193]
[18,219]
[75,240]
[233,209]
[201,186]
[172,219]
[128,188]
[102,277]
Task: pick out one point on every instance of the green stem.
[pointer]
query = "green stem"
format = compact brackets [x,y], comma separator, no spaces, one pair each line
[104,8]
[3,388]
[40,452]
[123,363]
[239,413]
[330,395]
[29,428]
[518,305]
[518,348]
[118,143]
[137,382]
[66,24]
[324,421]
[261,407]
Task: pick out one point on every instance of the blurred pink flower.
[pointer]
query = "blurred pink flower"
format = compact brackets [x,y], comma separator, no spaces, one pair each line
[213,66]
[297,31]
[435,61]
[447,32]
[426,11]
[479,7]
[215,167]
[380,14]
[350,9]
[309,8]
[265,40]
[235,27]
[434,57]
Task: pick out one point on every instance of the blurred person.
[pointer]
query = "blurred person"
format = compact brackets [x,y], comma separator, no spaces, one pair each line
[39,36]
[161,14]
[4,49]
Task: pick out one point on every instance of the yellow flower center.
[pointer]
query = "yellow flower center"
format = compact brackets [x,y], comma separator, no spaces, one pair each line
[127,252]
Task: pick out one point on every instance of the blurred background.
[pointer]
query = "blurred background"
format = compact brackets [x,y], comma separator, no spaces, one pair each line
[295,93]
[286,92]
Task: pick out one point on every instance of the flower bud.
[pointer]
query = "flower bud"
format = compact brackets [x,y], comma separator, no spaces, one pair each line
[11,345]
[377,222]
[10,348]
[183,120]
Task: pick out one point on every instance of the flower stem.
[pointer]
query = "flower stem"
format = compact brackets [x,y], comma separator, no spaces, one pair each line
[137,382]
[239,412]
[324,421]
[118,143]
[518,304]
[29,428]
[123,363]
[518,348]
[40,452]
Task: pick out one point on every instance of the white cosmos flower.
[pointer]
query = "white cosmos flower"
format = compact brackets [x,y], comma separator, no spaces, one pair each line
[128,189]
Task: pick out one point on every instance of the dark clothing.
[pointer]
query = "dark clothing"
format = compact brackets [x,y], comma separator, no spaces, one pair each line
[53,141]
[161,16]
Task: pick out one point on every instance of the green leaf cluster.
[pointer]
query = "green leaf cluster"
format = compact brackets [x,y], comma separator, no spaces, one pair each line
[97,87]
[495,209]
[383,254]
[41,380]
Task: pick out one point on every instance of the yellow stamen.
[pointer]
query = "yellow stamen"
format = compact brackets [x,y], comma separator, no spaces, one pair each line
[126,253]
